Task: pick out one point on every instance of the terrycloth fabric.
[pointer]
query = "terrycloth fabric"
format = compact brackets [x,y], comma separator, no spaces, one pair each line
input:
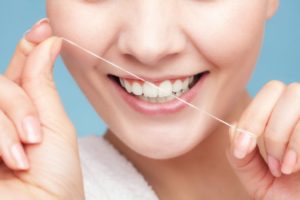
[108,175]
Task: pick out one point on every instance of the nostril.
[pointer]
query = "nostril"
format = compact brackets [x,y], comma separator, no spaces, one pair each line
[149,56]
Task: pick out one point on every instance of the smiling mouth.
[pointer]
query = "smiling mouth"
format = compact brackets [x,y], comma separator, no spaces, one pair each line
[166,90]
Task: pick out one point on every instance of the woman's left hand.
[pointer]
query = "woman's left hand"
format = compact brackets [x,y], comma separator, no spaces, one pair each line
[271,169]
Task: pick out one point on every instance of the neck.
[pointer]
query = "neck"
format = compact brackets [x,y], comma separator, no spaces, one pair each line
[196,174]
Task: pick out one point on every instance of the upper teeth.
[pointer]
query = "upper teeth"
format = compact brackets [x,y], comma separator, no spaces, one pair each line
[164,89]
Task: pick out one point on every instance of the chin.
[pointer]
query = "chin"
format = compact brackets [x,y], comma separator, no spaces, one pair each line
[165,141]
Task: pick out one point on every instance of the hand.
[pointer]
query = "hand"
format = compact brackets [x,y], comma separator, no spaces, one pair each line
[38,144]
[270,171]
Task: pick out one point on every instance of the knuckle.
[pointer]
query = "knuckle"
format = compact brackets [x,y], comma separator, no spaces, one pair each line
[6,82]
[34,83]
[20,107]
[8,88]
[15,102]
[253,121]
[8,133]
[5,124]
[274,137]
[28,82]
[24,47]
[294,84]
[275,85]
[16,80]
[294,89]
[3,79]
[271,135]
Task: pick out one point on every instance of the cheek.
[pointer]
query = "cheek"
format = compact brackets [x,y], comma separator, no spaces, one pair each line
[228,33]
[84,23]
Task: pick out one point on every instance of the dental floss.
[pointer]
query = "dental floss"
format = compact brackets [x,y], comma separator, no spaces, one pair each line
[160,89]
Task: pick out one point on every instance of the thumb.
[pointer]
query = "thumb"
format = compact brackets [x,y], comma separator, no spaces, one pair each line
[38,83]
[251,170]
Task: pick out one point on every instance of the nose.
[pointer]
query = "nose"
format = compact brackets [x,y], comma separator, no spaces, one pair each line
[150,33]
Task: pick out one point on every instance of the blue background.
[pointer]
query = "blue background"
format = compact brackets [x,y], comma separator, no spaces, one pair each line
[280,57]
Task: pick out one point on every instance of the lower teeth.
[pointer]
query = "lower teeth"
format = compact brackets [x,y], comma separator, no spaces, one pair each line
[161,99]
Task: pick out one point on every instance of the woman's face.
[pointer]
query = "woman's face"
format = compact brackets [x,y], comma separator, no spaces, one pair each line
[201,50]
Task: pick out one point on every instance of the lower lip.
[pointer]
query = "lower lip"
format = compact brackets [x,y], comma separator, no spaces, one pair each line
[160,108]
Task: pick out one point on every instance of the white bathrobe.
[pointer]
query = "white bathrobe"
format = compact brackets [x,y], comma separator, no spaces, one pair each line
[108,175]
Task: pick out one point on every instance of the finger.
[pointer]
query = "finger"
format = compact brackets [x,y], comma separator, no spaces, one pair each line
[252,172]
[11,150]
[39,32]
[37,81]
[20,110]
[291,163]
[284,117]
[255,118]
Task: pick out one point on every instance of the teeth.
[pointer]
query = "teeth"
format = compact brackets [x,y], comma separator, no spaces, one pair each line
[178,94]
[191,79]
[185,84]
[165,89]
[127,86]
[177,86]
[149,90]
[159,99]
[137,89]
[169,98]
[152,94]
[122,82]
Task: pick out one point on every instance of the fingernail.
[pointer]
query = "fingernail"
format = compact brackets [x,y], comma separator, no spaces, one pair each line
[36,25]
[26,32]
[32,129]
[252,146]
[19,156]
[289,162]
[274,166]
[232,131]
[242,144]
[55,49]
[39,23]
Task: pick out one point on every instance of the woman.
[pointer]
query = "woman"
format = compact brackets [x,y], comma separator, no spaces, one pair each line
[202,51]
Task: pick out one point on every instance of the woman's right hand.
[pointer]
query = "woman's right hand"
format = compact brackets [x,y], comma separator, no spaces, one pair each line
[38,144]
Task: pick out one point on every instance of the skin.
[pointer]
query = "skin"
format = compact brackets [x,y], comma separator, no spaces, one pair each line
[139,43]
[153,39]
